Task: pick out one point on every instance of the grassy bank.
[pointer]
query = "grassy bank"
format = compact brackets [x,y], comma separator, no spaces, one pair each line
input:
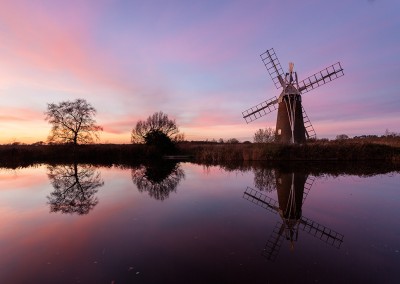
[207,153]
[106,154]
[314,151]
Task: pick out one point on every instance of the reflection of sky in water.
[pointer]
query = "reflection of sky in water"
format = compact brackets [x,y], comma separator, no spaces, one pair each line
[205,231]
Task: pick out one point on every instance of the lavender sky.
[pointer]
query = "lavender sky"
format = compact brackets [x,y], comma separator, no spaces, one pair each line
[197,61]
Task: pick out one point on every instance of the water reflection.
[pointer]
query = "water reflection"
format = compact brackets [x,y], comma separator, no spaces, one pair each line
[75,188]
[209,233]
[292,189]
[264,179]
[158,179]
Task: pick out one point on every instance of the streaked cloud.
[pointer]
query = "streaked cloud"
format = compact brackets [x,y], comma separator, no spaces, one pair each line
[197,62]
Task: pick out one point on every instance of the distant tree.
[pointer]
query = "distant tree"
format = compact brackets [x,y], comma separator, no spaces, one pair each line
[232,141]
[390,133]
[221,141]
[342,137]
[157,129]
[72,122]
[38,143]
[266,135]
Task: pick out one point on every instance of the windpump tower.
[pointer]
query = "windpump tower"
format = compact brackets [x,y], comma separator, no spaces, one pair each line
[292,123]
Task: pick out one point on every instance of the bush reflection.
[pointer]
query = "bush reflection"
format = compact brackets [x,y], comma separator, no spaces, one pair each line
[158,179]
[75,188]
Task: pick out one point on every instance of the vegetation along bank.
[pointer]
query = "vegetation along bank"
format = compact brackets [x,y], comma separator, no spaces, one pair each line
[200,152]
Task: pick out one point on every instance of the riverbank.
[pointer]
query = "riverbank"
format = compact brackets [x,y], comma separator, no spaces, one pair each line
[207,153]
[104,154]
[351,150]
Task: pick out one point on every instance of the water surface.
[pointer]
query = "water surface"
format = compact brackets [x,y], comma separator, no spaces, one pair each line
[187,223]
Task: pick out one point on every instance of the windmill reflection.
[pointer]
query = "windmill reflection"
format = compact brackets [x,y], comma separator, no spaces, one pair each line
[292,189]
[75,187]
[158,179]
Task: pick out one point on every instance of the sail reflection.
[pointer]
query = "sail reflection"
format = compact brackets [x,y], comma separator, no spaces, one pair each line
[75,188]
[292,189]
[158,179]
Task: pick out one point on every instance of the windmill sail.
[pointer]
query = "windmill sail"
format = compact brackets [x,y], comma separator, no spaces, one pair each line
[273,66]
[320,78]
[310,132]
[274,242]
[321,232]
[307,186]
[260,199]
[260,110]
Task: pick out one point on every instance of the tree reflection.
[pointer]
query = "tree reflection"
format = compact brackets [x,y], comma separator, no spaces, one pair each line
[264,179]
[74,188]
[158,180]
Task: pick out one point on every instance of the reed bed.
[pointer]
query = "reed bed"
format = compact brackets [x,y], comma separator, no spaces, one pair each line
[206,153]
[313,151]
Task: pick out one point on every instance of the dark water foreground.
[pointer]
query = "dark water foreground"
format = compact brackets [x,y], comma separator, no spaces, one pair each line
[169,222]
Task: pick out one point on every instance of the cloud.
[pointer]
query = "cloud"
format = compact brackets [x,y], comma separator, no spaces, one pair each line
[19,115]
[119,126]
[38,39]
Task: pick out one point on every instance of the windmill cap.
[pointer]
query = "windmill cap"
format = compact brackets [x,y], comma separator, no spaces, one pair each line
[291,66]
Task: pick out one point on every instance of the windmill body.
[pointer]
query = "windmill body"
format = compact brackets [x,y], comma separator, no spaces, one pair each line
[289,123]
[292,124]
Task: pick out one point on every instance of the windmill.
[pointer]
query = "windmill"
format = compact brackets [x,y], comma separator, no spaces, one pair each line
[292,123]
[292,189]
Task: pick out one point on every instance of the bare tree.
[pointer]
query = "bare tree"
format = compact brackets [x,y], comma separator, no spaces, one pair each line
[157,127]
[266,135]
[72,122]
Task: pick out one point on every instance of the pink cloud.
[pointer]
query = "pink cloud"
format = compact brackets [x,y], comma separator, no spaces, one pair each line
[119,126]
[38,38]
[19,114]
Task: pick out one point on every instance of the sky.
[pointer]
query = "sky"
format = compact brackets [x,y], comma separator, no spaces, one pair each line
[197,61]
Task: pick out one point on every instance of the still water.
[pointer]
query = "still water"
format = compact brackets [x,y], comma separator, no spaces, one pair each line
[188,223]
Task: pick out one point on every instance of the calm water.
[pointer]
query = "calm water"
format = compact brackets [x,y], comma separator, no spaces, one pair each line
[185,223]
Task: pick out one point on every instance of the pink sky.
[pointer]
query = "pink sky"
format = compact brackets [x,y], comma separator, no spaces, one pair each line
[197,62]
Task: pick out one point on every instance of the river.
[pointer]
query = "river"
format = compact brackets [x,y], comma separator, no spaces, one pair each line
[189,223]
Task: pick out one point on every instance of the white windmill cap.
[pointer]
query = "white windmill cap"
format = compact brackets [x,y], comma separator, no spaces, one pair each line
[291,67]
